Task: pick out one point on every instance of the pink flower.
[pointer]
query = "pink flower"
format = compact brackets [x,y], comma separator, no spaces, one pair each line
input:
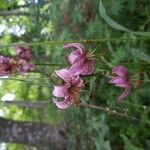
[69,91]
[23,53]
[122,80]
[81,61]
[5,66]
[23,58]
[9,66]
[23,66]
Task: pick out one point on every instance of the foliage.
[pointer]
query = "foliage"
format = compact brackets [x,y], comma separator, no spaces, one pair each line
[75,20]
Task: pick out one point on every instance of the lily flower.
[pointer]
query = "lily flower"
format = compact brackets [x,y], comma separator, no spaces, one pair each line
[5,66]
[23,58]
[23,53]
[122,79]
[68,93]
[82,62]
[23,66]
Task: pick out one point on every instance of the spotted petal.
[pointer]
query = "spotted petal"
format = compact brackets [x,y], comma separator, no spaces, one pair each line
[77,81]
[6,66]
[60,91]
[77,54]
[61,104]
[83,67]
[63,74]
[67,102]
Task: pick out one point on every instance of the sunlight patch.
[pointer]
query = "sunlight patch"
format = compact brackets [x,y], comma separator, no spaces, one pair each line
[1,83]
[3,146]
[2,114]
[8,97]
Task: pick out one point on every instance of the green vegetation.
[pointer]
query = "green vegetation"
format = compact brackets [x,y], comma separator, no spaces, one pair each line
[118,31]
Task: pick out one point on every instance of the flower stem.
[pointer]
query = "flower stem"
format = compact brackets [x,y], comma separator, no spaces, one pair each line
[114,112]
[50,65]
[76,41]
[26,81]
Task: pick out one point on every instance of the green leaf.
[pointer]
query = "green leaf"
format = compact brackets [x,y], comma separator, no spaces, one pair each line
[137,53]
[116,25]
[128,144]
[118,56]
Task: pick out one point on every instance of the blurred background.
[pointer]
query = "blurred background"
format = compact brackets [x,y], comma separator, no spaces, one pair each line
[29,120]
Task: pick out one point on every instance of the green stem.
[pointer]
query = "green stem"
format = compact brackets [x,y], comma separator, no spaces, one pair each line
[138,106]
[25,81]
[75,41]
[114,112]
[50,65]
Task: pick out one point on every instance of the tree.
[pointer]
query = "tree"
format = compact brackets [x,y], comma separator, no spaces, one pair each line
[40,135]
[13,13]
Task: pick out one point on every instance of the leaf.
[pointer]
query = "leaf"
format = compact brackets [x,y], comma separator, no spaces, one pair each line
[146,77]
[116,7]
[137,53]
[114,24]
[128,144]
[92,85]
[118,56]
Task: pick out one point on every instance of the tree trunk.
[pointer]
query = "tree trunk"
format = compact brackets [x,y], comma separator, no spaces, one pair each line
[13,13]
[40,135]
[27,104]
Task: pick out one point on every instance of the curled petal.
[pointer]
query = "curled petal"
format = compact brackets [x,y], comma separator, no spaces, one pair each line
[119,81]
[77,81]
[125,94]
[77,46]
[77,54]
[60,91]
[63,74]
[120,71]
[82,67]
[61,104]
[68,101]
[74,57]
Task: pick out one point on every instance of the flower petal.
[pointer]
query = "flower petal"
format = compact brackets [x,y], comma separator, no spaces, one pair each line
[74,57]
[27,67]
[23,53]
[77,54]
[83,67]
[77,81]
[77,46]
[121,71]
[68,101]
[24,66]
[61,104]
[125,94]
[119,81]
[60,91]
[63,74]
[6,66]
